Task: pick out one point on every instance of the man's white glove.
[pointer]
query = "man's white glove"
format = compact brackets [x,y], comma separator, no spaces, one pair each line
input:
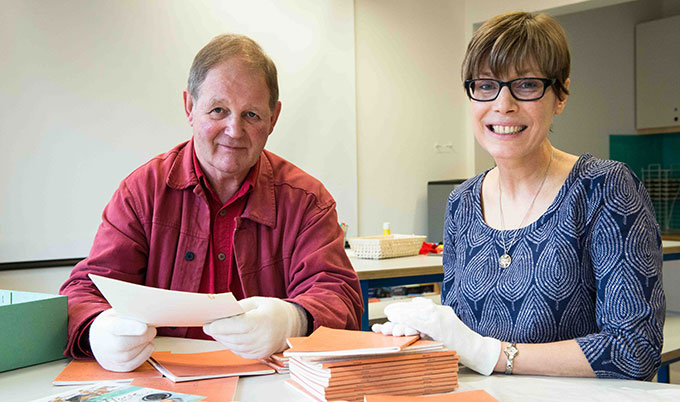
[120,344]
[262,330]
[441,323]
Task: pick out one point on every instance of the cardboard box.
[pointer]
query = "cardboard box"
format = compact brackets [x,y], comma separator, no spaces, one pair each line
[33,328]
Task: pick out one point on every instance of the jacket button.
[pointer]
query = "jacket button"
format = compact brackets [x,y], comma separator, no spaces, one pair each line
[223,212]
[221,256]
[189,256]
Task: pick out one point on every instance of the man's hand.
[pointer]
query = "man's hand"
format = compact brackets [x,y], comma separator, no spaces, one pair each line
[262,330]
[441,323]
[120,344]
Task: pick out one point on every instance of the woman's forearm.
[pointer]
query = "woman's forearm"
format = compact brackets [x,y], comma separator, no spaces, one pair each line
[563,358]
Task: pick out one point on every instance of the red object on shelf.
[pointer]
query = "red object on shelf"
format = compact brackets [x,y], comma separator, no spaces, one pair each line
[428,248]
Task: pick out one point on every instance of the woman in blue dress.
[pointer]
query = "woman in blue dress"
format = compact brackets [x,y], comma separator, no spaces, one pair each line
[552,261]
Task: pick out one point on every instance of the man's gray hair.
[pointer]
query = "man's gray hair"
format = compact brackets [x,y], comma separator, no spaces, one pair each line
[224,47]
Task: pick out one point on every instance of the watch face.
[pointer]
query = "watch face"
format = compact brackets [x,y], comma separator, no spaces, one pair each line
[511,351]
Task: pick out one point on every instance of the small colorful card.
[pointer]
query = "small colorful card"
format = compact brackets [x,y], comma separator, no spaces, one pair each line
[117,392]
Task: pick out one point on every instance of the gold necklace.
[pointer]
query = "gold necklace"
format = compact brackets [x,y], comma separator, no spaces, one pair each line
[505,260]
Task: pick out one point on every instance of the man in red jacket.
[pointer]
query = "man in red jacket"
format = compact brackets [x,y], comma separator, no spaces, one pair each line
[218,214]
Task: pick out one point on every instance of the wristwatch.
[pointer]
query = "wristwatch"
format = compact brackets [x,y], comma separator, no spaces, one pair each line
[510,353]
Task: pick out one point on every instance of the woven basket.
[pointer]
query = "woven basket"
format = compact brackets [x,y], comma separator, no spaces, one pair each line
[390,246]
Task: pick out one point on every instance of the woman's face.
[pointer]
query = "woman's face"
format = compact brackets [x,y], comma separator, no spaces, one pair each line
[510,129]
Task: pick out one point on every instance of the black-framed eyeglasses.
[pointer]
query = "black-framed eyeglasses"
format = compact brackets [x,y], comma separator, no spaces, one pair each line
[522,89]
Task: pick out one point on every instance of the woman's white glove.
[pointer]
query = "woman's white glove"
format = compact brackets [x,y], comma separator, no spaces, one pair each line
[441,323]
[394,329]
[120,344]
[262,330]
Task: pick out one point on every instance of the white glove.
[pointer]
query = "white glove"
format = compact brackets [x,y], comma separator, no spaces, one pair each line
[262,330]
[120,344]
[441,323]
[390,328]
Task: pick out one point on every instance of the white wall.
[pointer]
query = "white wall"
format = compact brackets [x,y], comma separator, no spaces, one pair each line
[89,90]
[408,54]
[40,280]
[477,11]
[671,284]
[602,100]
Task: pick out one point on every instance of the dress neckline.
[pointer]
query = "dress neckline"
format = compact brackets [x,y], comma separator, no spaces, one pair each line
[553,206]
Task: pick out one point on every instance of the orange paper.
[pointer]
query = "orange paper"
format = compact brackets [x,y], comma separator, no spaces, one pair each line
[467,396]
[215,390]
[356,397]
[342,342]
[196,366]
[89,371]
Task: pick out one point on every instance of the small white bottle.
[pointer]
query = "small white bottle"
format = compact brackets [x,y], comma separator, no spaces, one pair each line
[386,229]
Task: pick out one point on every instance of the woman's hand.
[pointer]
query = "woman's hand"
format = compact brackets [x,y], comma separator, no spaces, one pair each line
[442,324]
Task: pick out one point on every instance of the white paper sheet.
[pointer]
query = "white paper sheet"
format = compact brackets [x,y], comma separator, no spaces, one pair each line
[165,308]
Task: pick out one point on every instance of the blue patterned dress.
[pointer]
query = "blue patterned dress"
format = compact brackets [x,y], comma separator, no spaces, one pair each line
[588,269]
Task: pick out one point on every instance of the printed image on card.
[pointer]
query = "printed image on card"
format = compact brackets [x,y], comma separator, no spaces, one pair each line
[117,392]
[141,394]
[85,393]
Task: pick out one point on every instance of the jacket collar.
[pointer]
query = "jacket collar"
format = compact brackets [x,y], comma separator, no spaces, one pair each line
[182,174]
[261,204]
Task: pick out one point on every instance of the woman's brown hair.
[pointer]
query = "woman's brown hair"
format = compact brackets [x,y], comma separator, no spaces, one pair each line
[519,40]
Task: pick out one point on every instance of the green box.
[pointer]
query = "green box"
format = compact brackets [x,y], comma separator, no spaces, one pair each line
[34,328]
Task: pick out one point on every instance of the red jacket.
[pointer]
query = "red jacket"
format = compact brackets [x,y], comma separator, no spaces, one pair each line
[155,232]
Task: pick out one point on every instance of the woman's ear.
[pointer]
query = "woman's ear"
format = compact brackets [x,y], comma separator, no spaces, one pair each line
[561,103]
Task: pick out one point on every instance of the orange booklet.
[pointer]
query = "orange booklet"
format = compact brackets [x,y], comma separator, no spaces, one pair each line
[378,384]
[398,362]
[467,396]
[80,372]
[422,367]
[279,359]
[358,395]
[404,356]
[327,342]
[278,365]
[215,389]
[360,375]
[197,366]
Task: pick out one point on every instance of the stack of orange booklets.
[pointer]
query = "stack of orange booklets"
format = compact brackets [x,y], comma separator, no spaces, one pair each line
[335,364]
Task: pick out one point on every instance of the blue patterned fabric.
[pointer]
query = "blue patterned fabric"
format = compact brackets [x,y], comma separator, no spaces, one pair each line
[588,269]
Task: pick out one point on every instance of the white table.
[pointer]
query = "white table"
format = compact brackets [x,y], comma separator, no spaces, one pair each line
[29,383]
[671,249]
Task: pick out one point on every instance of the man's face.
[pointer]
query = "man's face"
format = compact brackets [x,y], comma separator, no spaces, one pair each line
[231,120]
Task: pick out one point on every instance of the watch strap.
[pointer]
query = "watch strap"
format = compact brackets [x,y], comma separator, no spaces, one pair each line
[510,353]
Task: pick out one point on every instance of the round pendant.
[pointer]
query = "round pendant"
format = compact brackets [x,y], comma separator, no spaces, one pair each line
[504,261]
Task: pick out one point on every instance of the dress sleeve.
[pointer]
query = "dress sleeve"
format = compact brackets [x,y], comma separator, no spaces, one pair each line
[119,251]
[321,278]
[624,247]
[449,252]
